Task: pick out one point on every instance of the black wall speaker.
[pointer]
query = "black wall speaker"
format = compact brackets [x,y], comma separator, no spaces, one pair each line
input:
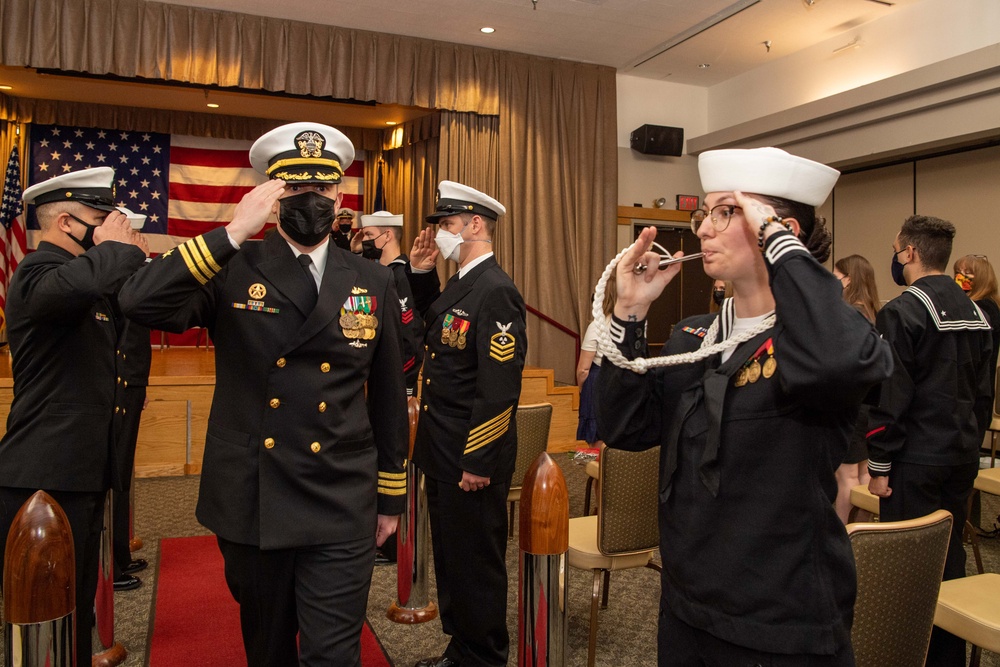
[658,140]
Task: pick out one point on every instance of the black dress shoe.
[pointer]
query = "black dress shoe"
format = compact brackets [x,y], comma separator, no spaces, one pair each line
[443,661]
[127,582]
[138,565]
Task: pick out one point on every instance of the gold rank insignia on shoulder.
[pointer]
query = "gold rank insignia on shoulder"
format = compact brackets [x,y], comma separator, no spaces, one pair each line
[168,253]
[502,344]
[358,290]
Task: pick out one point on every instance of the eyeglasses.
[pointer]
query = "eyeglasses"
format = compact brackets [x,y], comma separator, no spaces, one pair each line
[719,215]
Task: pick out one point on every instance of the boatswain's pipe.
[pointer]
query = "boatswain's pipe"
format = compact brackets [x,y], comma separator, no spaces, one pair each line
[544,541]
[39,584]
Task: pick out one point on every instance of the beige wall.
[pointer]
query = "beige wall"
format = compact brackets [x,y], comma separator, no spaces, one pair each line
[869,207]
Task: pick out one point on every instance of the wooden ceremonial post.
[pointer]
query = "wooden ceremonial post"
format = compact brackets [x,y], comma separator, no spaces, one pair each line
[412,604]
[39,585]
[544,540]
[107,652]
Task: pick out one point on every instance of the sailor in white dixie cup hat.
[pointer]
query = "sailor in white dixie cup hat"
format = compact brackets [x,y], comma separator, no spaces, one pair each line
[766,389]
[135,220]
[466,439]
[63,328]
[307,340]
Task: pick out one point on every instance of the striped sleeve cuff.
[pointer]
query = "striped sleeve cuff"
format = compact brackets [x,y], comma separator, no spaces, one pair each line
[781,244]
[199,259]
[488,431]
[392,483]
[879,468]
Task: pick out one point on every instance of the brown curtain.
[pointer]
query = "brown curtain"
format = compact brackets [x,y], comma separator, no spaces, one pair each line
[135,38]
[559,180]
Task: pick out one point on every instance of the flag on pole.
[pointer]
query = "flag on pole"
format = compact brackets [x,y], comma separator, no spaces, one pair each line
[13,241]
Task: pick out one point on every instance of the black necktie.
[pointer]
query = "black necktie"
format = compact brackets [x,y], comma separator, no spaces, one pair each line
[305,261]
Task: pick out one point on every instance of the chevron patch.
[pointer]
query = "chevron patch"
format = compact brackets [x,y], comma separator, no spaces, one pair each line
[502,344]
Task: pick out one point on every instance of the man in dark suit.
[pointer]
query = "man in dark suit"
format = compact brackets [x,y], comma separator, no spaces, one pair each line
[301,476]
[467,435]
[63,335]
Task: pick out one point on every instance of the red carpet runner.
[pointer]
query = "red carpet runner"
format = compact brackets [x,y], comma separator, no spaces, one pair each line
[196,621]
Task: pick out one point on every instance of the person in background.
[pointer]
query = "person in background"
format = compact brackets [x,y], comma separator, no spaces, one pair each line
[721,290]
[587,371]
[63,329]
[342,228]
[757,568]
[303,471]
[134,356]
[924,436]
[857,277]
[975,275]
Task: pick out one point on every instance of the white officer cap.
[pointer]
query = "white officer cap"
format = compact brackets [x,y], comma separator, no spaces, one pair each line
[346,213]
[767,171]
[382,219]
[93,187]
[454,198]
[303,153]
[136,220]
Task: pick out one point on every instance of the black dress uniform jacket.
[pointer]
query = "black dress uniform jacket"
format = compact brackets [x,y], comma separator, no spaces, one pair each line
[935,408]
[752,549]
[294,452]
[470,391]
[63,332]
[412,324]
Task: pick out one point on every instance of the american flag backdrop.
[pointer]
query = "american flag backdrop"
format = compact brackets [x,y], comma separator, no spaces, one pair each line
[13,241]
[185,185]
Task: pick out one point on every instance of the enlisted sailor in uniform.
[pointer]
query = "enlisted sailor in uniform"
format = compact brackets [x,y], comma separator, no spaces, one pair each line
[134,357]
[381,236]
[757,567]
[63,335]
[301,476]
[467,437]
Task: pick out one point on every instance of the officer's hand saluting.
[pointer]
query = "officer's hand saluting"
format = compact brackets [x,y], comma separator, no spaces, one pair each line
[254,210]
[424,253]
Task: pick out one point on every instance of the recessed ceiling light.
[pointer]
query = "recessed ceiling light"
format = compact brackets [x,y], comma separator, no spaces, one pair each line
[212,105]
[6,87]
[391,122]
[704,66]
[487,30]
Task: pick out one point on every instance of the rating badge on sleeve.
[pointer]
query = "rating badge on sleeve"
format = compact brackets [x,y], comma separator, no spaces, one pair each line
[502,344]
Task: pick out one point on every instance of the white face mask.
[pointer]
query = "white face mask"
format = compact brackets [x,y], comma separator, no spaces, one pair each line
[449,244]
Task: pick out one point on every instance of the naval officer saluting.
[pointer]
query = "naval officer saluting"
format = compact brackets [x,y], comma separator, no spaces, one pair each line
[467,435]
[300,481]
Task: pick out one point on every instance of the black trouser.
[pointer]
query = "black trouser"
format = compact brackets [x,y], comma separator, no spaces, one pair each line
[681,645]
[469,536]
[320,592]
[918,490]
[85,511]
[132,401]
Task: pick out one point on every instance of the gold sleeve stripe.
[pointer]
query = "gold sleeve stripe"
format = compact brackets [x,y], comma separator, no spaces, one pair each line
[192,266]
[392,492]
[392,475]
[488,424]
[197,256]
[200,240]
[487,437]
[401,484]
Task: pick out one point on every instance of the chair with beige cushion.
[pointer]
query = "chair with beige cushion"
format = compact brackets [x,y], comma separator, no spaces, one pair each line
[994,427]
[899,565]
[864,504]
[532,439]
[625,532]
[968,608]
[593,470]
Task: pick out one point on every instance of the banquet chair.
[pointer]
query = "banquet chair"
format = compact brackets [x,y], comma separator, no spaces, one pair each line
[593,470]
[994,427]
[899,570]
[533,423]
[625,532]
[967,608]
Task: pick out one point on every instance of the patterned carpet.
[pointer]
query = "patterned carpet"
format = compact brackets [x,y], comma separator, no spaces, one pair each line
[626,634]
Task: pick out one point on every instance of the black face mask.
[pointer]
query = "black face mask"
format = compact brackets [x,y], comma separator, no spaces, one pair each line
[307,218]
[897,270]
[87,242]
[718,296]
[342,236]
[371,251]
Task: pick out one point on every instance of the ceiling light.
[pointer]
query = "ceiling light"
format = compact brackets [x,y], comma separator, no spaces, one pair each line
[854,44]
[212,105]
[704,66]
[487,30]
[6,87]
[391,122]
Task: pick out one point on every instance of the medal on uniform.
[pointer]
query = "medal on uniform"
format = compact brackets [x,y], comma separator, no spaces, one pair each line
[753,372]
[461,341]
[771,364]
[446,329]
[356,319]
[741,378]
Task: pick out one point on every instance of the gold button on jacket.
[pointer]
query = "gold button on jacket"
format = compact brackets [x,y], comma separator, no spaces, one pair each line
[269,443]
[315,447]
[280,363]
[325,367]
[322,406]
[275,403]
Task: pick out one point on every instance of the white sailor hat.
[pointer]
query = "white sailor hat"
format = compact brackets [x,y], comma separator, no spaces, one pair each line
[454,198]
[345,213]
[93,187]
[136,220]
[382,219]
[767,171]
[303,153]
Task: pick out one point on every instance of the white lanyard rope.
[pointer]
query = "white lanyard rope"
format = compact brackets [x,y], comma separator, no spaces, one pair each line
[641,365]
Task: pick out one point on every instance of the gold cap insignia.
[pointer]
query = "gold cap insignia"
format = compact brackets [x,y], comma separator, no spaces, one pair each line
[257,291]
[310,143]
